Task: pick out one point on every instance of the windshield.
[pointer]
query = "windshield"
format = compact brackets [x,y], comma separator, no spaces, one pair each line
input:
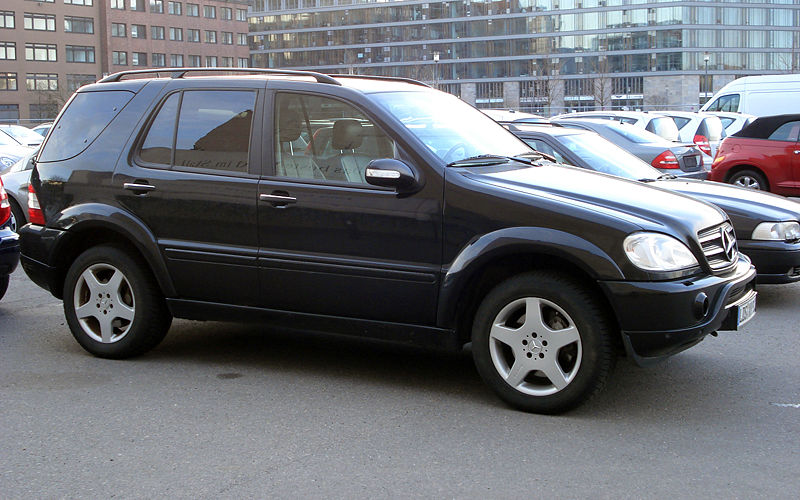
[24,136]
[604,156]
[449,127]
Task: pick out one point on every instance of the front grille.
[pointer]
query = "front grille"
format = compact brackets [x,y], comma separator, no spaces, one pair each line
[719,245]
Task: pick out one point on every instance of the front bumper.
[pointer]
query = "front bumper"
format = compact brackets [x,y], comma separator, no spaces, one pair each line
[775,261]
[9,251]
[661,318]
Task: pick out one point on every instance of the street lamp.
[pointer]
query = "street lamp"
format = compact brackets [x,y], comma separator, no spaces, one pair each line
[436,69]
[705,79]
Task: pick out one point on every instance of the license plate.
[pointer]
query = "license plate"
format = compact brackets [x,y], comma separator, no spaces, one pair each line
[746,311]
[690,161]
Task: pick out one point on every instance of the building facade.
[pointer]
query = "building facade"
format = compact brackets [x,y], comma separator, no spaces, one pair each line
[537,55]
[49,48]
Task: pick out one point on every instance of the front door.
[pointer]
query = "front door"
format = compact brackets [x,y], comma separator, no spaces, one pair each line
[330,243]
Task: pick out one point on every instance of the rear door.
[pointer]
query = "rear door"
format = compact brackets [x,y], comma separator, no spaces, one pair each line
[191,181]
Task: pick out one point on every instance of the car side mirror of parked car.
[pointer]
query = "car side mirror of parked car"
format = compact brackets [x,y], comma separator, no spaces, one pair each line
[388,172]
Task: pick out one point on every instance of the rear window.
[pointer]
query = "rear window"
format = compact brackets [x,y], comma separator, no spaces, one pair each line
[710,127]
[636,135]
[663,126]
[86,116]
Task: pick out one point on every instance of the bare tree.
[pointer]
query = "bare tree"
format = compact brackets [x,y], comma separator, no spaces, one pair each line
[548,86]
[601,84]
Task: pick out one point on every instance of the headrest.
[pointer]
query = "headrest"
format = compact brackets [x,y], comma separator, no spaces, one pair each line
[346,134]
[289,125]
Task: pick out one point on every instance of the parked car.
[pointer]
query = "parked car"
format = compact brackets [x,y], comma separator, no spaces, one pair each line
[767,226]
[16,179]
[681,160]
[732,122]
[511,115]
[9,244]
[704,130]
[21,135]
[429,223]
[765,155]
[660,125]
[761,95]
[42,128]
[10,151]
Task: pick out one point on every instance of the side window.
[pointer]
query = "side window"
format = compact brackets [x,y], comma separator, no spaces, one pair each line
[214,129]
[545,148]
[325,139]
[786,132]
[157,146]
[725,103]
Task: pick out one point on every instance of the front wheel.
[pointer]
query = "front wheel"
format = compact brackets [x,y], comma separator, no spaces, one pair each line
[542,342]
[113,305]
[749,179]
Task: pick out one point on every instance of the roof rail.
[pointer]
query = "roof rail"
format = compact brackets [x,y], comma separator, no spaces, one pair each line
[387,78]
[181,72]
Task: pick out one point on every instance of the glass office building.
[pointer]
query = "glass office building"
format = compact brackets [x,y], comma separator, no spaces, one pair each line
[538,55]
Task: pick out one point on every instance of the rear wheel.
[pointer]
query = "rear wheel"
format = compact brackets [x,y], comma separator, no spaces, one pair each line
[542,342]
[113,305]
[749,179]
[4,285]
[17,217]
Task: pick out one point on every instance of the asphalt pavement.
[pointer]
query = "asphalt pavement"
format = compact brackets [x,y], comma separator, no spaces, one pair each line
[222,410]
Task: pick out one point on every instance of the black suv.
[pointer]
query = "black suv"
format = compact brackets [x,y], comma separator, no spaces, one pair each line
[373,207]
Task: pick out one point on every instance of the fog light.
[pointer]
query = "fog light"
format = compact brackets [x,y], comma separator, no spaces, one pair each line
[700,305]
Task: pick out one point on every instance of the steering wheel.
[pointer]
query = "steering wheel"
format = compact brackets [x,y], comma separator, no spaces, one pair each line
[456,147]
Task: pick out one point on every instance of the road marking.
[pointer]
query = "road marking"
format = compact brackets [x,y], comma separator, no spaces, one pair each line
[786,405]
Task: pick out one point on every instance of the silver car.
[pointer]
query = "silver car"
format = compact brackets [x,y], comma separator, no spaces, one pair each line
[16,180]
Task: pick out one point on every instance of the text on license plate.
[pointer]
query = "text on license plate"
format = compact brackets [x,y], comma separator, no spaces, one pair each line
[746,311]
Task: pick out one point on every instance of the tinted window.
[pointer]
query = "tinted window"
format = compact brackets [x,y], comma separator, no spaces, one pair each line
[680,122]
[786,132]
[157,146]
[79,125]
[214,130]
[663,126]
[636,135]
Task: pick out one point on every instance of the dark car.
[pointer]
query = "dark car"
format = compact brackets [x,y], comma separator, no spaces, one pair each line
[767,226]
[424,222]
[669,157]
[9,243]
[764,155]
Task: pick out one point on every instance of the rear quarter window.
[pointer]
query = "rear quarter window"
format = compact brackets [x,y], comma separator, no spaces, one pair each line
[711,128]
[85,117]
[789,131]
[663,126]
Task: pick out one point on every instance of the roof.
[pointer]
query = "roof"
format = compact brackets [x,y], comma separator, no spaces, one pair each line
[762,128]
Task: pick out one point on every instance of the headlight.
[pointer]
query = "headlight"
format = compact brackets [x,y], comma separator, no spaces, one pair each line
[658,252]
[782,231]
[7,161]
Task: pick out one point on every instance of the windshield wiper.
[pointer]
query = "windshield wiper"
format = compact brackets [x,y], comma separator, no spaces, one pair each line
[489,159]
[663,177]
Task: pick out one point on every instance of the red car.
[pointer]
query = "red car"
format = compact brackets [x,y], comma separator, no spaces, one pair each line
[764,155]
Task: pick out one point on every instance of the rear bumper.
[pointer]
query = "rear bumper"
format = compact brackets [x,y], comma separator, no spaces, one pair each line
[36,243]
[659,319]
[776,261]
[9,251]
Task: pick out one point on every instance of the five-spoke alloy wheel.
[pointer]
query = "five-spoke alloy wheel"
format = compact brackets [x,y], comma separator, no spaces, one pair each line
[542,342]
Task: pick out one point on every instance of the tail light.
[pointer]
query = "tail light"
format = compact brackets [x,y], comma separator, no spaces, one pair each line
[665,160]
[35,214]
[703,144]
[5,206]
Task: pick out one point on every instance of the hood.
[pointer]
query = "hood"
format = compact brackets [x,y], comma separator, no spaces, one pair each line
[650,208]
[745,207]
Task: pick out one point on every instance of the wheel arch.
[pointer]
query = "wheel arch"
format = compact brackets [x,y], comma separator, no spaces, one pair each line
[90,225]
[743,166]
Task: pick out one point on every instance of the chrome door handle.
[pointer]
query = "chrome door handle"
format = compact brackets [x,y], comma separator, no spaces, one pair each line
[135,186]
[797,151]
[278,200]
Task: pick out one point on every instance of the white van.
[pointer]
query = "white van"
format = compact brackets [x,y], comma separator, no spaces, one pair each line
[758,95]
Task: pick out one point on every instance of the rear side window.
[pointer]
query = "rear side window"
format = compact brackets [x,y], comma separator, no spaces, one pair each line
[86,116]
[789,131]
[663,126]
[728,102]
[710,128]
[680,121]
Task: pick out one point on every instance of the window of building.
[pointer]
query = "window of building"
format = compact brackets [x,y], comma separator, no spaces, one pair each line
[157,6]
[175,8]
[244,62]
[159,60]
[225,13]
[210,36]
[241,14]
[8,81]
[78,24]
[138,31]
[118,4]
[227,38]
[176,34]
[489,95]
[192,10]
[74,82]
[42,111]
[195,61]
[137,5]
[192,35]
[9,112]
[157,32]
[41,81]
[241,38]
[80,54]
[40,52]
[40,22]
[43,1]
[87,3]
[119,58]
[211,61]
[8,51]
[209,11]
[226,62]
[176,60]
[118,30]
[7,19]
[138,59]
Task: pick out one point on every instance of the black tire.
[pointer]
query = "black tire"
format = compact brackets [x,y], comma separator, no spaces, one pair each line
[17,216]
[141,318]
[4,280]
[572,312]
[750,179]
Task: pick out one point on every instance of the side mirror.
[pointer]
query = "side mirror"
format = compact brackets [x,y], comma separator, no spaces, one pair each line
[388,172]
